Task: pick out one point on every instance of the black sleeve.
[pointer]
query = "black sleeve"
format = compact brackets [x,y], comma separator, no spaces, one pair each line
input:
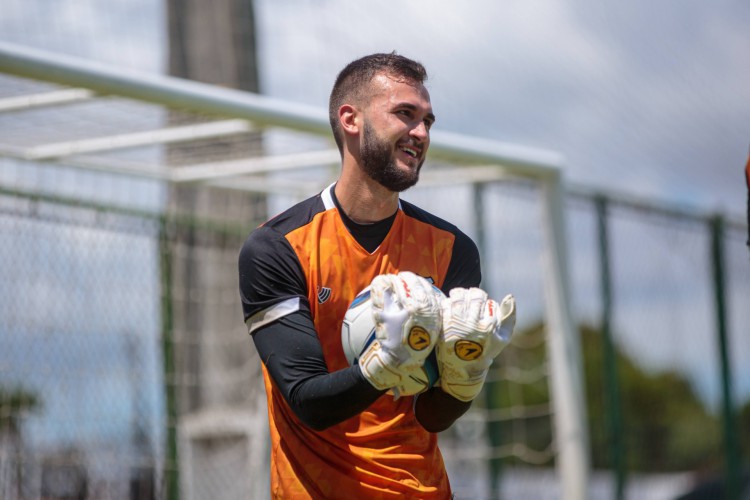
[269,272]
[293,356]
[436,410]
[464,269]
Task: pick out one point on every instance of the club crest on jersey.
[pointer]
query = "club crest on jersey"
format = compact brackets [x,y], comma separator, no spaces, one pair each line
[324,293]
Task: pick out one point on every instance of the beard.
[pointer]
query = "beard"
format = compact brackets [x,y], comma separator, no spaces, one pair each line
[379,164]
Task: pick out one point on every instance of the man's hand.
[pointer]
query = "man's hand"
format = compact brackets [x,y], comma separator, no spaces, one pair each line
[407,314]
[475,330]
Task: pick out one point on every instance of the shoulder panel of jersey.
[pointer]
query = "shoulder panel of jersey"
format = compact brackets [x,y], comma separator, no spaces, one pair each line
[422,215]
[272,281]
[464,270]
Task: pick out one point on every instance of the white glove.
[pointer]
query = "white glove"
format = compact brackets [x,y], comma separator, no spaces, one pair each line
[475,330]
[406,309]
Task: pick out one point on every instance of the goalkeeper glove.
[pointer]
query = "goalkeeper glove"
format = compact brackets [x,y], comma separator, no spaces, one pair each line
[406,310]
[475,330]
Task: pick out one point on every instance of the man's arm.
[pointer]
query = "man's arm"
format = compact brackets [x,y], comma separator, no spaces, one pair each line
[293,356]
[436,410]
[272,289]
[402,304]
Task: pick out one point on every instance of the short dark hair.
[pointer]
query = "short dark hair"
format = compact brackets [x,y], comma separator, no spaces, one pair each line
[353,80]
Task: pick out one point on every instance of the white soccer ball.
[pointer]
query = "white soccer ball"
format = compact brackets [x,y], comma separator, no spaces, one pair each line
[358,332]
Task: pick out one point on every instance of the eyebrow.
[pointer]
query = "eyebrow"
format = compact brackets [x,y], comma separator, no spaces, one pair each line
[408,105]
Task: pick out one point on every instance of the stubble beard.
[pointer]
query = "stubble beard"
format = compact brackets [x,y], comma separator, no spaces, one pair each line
[378,163]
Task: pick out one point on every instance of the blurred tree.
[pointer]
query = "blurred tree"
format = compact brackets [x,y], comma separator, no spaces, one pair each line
[667,427]
[521,382]
[14,403]
[744,426]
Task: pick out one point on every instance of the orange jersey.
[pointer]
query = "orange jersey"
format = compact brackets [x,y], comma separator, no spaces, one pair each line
[382,452]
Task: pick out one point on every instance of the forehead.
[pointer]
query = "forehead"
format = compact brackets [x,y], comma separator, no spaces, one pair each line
[392,90]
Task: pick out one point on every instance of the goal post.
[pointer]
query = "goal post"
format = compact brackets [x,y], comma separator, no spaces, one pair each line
[497,159]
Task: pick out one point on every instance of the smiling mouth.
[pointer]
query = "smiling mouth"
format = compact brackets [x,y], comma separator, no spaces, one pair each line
[410,151]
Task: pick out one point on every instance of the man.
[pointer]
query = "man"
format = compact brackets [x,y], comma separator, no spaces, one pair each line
[335,431]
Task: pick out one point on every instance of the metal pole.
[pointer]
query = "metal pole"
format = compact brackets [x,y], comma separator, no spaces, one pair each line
[169,91]
[611,381]
[566,367]
[171,468]
[731,454]
[490,387]
[261,110]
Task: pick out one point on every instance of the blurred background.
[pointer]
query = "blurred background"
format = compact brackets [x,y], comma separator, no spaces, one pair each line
[125,368]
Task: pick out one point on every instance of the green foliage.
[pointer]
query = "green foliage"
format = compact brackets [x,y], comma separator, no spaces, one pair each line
[518,389]
[665,425]
[14,402]
[743,424]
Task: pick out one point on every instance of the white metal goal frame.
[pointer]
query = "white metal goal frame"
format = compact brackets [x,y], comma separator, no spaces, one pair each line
[481,161]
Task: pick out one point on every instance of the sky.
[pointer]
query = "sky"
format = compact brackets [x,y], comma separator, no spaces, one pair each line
[650,99]
[640,97]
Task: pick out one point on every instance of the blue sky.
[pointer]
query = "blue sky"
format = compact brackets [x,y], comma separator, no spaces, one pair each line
[650,99]
[645,98]
[92,357]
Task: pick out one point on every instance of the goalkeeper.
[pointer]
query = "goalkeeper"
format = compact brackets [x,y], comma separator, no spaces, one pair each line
[335,433]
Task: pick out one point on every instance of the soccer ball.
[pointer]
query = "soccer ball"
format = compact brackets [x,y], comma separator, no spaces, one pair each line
[358,332]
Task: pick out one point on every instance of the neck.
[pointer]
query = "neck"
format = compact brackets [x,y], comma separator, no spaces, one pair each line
[362,199]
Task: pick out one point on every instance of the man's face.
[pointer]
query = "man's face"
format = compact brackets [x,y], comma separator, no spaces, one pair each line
[379,162]
[396,133]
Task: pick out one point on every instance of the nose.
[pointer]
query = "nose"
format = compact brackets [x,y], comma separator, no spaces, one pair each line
[420,132]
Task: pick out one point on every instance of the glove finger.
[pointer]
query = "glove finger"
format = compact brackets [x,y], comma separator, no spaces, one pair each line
[508,309]
[507,317]
[387,313]
[503,317]
[388,306]
[415,293]
[490,321]
[405,290]
[474,304]
[378,286]
[400,288]
[455,304]
[457,294]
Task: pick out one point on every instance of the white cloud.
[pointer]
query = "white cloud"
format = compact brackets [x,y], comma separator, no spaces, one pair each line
[122,32]
[638,97]
[643,98]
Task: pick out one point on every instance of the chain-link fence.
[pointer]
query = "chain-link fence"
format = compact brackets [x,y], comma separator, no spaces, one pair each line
[127,372]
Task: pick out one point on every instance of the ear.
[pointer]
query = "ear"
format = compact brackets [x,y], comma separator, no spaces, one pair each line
[349,119]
